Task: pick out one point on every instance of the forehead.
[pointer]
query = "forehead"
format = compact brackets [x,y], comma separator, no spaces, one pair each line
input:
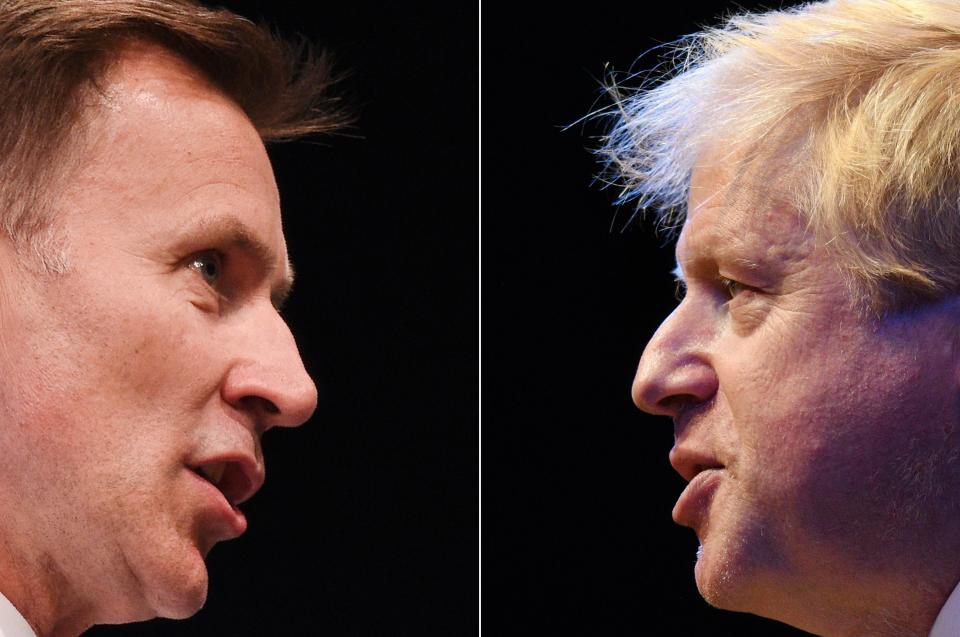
[164,148]
[740,210]
[155,107]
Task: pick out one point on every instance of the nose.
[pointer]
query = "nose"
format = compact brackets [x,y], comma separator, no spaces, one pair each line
[676,370]
[267,379]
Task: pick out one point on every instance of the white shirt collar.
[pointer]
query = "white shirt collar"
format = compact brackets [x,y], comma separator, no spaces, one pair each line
[948,621]
[12,623]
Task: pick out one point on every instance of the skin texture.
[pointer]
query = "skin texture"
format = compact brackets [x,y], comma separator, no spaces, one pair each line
[832,435]
[159,348]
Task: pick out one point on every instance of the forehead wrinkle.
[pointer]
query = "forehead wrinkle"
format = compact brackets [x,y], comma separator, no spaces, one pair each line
[742,225]
[740,215]
[768,247]
[748,264]
[705,242]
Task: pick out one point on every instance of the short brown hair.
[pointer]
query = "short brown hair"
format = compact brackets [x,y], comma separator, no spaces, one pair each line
[53,51]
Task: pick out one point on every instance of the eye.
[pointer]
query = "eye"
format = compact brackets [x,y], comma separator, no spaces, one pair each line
[210,266]
[732,288]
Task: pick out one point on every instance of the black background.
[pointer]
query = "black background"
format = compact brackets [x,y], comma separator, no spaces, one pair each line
[367,524]
[577,531]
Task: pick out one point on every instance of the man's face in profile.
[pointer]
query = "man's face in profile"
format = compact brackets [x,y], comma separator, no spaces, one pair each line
[150,369]
[814,438]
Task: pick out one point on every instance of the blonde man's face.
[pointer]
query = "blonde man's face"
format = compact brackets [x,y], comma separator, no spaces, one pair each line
[819,445]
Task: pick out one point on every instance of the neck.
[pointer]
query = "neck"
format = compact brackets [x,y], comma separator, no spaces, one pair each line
[871,604]
[33,582]
[907,610]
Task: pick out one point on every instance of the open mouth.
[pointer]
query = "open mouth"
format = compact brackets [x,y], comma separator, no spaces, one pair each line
[237,476]
[233,486]
[229,478]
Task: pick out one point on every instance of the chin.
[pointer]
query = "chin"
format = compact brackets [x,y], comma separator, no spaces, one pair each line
[726,577]
[177,590]
[186,603]
[710,583]
[742,570]
[172,594]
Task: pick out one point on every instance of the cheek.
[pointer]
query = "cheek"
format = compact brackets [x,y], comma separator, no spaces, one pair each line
[799,395]
[844,441]
[136,351]
[176,357]
[113,385]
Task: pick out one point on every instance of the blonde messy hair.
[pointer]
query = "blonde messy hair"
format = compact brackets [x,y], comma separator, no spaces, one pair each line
[876,84]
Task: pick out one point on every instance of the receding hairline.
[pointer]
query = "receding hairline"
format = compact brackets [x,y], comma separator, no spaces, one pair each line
[144,73]
[137,57]
[55,54]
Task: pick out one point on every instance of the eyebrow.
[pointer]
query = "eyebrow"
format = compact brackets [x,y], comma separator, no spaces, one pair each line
[233,232]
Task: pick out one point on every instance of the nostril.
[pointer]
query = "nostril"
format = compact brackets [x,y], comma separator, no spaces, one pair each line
[259,403]
[676,404]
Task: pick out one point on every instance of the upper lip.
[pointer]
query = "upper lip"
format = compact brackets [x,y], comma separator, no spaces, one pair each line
[689,462]
[240,477]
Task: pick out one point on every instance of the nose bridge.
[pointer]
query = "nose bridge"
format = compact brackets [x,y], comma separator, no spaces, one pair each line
[676,366]
[269,368]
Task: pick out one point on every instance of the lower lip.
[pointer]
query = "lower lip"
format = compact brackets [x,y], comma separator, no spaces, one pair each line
[692,506]
[236,522]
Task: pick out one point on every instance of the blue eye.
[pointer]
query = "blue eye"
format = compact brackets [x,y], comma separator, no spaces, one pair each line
[209,265]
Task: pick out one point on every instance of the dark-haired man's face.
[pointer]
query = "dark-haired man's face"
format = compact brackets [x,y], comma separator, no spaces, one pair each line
[137,385]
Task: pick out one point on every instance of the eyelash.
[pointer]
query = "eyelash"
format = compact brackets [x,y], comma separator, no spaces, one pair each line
[730,286]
